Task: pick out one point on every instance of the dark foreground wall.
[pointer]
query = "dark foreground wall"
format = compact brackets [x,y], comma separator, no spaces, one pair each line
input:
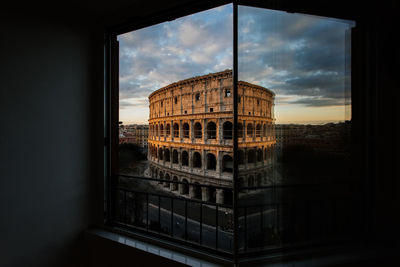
[46,154]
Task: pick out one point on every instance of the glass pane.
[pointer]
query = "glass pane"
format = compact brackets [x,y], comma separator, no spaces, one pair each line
[175,133]
[294,114]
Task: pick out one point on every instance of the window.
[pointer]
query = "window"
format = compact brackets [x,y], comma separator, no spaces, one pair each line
[185,130]
[176,130]
[211,130]
[227,130]
[197,130]
[250,130]
[311,147]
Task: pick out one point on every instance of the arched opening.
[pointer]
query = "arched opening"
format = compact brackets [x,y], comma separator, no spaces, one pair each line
[161,130]
[185,158]
[251,156]
[167,155]
[240,130]
[176,130]
[174,156]
[160,153]
[196,160]
[265,130]
[240,157]
[259,155]
[227,163]
[185,187]
[265,153]
[211,130]
[167,177]
[156,130]
[174,186]
[185,130]
[167,130]
[211,162]
[258,130]
[197,130]
[250,130]
[227,130]
[197,190]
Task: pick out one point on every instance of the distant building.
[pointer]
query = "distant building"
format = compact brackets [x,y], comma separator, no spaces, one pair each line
[330,137]
[134,134]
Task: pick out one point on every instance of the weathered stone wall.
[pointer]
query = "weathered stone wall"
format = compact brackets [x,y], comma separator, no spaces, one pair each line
[190,132]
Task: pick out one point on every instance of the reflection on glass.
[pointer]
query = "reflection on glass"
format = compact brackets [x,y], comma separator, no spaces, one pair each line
[294,129]
[176,115]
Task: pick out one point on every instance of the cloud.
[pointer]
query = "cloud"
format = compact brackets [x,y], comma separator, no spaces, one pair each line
[294,54]
[156,56]
[299,57]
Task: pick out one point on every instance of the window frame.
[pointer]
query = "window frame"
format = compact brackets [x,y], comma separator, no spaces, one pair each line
[360,102]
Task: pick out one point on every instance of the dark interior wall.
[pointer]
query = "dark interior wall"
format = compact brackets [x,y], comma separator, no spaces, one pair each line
[51,123]
[46,146]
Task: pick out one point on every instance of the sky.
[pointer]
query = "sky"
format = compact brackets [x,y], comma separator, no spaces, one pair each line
[301,58]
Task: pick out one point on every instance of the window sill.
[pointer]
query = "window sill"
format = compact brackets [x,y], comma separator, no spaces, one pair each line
[132,245]
[120,245]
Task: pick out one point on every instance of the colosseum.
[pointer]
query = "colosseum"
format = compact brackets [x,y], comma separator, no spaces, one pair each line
[190,136]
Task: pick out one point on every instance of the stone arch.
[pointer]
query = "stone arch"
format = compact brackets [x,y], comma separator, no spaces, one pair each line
[185,158]
[161,130]
[167,130]
[258,130]
[251,157]
[167,155]
[198,130]
[240,130]
[227,130]
[167,177]
[174,186]
[184,187]
[186,130]
[250,130]
[196,160]
[176,130]
[175,156]
[196,190]
[156,133]
[227,163]
[264,130]
[211,161]
[211,130]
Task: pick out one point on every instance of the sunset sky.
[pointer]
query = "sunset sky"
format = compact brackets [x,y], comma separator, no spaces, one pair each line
[301,58]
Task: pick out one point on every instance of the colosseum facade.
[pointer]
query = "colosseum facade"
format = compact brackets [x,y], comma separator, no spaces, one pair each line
[190,136]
